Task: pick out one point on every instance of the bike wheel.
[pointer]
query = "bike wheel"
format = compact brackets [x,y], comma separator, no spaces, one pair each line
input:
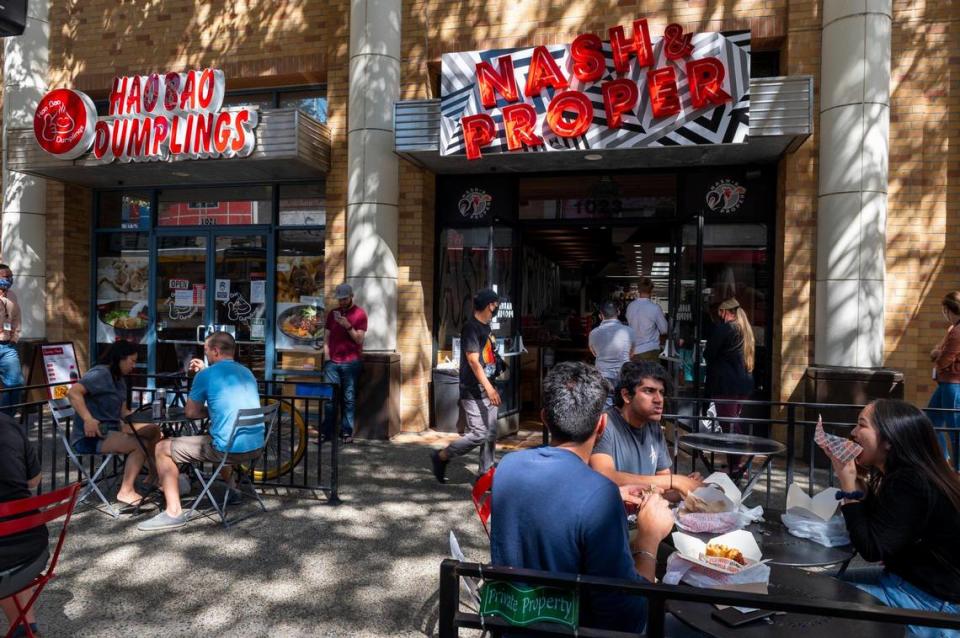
[287,444]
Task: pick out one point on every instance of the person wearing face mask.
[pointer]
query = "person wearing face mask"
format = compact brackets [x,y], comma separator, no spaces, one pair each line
[11,372]
[479,399]
[905,514]
[946,361]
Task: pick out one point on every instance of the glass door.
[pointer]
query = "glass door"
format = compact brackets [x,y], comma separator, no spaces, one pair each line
[211,280]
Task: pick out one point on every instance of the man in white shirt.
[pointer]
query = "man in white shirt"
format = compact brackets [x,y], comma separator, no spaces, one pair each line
[611,343]
[646,319]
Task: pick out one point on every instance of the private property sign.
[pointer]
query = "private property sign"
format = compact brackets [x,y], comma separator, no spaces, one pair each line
[171,116]
[626,92]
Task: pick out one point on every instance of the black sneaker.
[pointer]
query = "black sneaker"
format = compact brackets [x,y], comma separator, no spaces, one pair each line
[439,466]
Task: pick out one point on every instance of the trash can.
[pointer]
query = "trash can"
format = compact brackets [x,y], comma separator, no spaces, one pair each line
[446,399]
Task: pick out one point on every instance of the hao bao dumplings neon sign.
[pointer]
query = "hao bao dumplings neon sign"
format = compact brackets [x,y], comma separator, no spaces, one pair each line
[172,116]
[630,91]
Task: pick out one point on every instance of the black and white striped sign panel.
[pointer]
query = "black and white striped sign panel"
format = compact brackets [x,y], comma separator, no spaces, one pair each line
[670,89]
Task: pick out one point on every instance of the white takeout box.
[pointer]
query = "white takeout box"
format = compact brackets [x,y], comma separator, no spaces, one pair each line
[824,505]
[719,487]
[694,550]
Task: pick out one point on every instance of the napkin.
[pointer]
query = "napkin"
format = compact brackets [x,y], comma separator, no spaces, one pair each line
[836,447]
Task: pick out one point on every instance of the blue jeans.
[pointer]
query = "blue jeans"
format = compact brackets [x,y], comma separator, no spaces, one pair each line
[345,375]
[11,375]
[947,395]
[894,591]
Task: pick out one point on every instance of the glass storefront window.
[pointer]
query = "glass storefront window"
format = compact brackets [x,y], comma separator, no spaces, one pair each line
[263,100]
[303,205]
[236,205]
[122,290]
[313,103]
[300,309]
[598,197]
[129,210]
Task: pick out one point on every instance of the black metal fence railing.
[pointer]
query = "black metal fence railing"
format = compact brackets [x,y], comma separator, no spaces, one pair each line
[452,618]
[294,458]
[792,423]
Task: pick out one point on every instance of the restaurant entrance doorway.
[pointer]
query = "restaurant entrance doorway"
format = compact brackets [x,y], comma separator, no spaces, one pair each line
[211,280]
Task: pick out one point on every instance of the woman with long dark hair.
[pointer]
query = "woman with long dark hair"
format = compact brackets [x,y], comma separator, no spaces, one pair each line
[946,361]
[905,513]
[100,401]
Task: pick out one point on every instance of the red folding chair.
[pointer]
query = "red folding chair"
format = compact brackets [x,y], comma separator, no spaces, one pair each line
[51,506]
[483,498]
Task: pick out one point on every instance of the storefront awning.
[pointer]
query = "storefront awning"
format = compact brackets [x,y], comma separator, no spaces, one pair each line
[290,146]
[781,119]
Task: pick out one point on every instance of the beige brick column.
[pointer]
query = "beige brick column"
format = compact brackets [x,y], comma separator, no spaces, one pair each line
[852,207]
[373,180]
[22,232]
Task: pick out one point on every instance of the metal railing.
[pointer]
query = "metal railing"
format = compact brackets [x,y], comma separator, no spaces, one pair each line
[452,618]
[293,458]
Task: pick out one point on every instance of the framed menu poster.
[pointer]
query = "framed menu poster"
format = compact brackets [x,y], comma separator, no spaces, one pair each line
[59,361]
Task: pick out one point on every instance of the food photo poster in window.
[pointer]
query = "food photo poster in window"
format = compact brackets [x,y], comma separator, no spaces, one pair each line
[122,305]
[300,305]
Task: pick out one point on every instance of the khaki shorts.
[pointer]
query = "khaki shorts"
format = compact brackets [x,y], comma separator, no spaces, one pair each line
[199,449]
[649,355]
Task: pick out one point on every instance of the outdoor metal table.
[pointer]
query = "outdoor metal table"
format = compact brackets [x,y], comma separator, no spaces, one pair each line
[172,423]
[789,581]
[703,444]
[783,548]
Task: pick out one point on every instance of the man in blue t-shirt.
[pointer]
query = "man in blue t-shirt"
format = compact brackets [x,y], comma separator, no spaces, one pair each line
[225,387]
[552,512]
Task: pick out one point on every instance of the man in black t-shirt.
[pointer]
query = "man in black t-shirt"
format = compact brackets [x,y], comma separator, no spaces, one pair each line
[19,476]
[479,400]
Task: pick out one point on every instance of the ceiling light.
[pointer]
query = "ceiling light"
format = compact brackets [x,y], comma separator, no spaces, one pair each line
[593,157]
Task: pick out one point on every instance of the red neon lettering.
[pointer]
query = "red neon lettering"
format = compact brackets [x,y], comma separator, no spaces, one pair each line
[543,72]
[101,143]
[619,97]
[201,136]
[138,141]
[118,96]
[161,128]
[171,90]
[519,120]
[118,137]
[176,145]
[662,86]
[588,60]
[706,82]
[241,138]
[187,145]
[570,101]
[188,97]
[207,88]
[478,131]
[221,132]
[133,96]
[490,81]
[621,47]
[676,44]
[151,93]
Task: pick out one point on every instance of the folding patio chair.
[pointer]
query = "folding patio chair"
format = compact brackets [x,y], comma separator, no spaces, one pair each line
[32,512]
[483,498]
[247,421]
[62,411]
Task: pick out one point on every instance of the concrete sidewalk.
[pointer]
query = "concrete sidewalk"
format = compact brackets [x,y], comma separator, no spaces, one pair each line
[368,567]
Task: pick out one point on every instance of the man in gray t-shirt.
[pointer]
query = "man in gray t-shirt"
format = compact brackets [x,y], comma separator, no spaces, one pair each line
[611,343]
[633,449]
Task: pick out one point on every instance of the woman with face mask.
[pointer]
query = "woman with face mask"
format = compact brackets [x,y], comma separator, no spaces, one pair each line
[905,513]
[946,361]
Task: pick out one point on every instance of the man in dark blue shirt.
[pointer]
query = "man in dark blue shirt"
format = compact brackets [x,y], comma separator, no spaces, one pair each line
[552,512]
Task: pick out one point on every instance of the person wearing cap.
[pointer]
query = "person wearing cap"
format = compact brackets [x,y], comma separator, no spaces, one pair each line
[645,317]
[11,372]
[342,350]
[730,355]
[479,399]
[612,344]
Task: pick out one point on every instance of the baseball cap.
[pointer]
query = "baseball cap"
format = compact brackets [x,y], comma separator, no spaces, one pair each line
[343,291]
[484,298]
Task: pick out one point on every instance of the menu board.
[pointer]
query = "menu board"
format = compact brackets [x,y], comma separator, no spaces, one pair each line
[59,366]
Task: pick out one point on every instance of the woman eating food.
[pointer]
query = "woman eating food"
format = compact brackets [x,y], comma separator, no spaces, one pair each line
[904,514]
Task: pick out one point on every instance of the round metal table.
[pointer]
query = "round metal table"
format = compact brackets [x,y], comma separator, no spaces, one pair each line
[789,581]
[171,423]
[704,444]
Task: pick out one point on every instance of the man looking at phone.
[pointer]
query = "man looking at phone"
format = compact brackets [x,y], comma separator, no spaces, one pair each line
[342,350]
